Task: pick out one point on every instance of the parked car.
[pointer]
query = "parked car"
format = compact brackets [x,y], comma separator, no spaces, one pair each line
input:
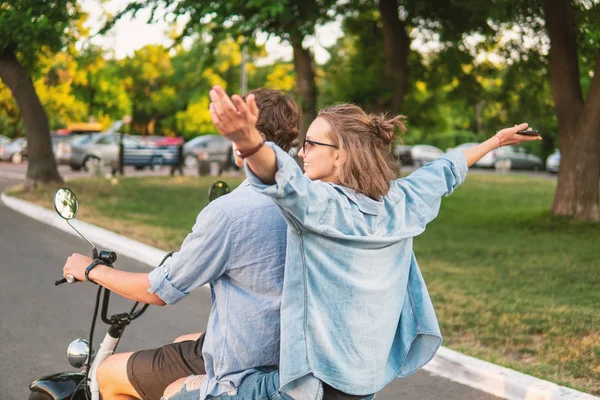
[462,147]
[553,161]
[201,151]
[15,151]
[487,161]
[404,155]
[83,128]
[161,141]
[61,146]
[510,157]
[103,147]
[417,155]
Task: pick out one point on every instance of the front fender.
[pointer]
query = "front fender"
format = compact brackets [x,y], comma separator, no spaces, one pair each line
[61,386]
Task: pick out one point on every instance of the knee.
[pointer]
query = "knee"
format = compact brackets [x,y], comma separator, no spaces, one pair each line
[104,371]
[174,387]
[109,373]
[189,336]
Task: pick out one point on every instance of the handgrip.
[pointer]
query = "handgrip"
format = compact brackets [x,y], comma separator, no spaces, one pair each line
[64,280]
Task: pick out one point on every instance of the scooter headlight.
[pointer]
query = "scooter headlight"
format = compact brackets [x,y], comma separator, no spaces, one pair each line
[78,352]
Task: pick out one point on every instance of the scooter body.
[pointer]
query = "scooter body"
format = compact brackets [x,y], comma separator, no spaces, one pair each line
[83,385]
[61,386]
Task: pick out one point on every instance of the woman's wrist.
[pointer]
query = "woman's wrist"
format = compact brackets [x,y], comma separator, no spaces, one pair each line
[498,139]
[250,142]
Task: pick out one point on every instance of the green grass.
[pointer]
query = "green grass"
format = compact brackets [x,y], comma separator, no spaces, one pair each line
[513,285]
[510,283]
[158,211]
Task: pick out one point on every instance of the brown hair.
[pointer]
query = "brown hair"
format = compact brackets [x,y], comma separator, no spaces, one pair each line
[368,140]
[279,118]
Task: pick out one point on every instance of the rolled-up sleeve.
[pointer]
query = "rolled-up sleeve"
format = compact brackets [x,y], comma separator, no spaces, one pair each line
[204,256]
[425,187]
[299,197]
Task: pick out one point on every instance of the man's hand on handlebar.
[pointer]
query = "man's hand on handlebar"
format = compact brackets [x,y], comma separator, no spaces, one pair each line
[76,265]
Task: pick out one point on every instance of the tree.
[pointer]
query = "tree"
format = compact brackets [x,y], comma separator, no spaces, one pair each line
[291,20]
[578,117]
[445,21]
[148,74]
[98,84]
[570,51]
[29,28]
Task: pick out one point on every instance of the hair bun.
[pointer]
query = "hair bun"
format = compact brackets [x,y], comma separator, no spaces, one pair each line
[385,128]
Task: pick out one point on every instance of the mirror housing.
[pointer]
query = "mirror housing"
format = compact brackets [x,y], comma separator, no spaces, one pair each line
[65,203]
[218,189]
[78,352]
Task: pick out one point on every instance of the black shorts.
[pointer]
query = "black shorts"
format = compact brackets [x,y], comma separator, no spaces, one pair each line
[151,371]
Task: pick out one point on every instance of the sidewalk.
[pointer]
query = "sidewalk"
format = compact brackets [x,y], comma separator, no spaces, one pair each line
[487,377]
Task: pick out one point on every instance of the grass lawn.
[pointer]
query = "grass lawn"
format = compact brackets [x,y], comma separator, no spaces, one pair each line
[511,284]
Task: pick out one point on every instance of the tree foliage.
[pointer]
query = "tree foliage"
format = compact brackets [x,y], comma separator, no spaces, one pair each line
[31,28]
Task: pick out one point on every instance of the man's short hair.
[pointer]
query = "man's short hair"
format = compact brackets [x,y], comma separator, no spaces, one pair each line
[279,118]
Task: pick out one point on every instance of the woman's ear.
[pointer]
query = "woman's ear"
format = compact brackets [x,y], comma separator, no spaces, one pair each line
[340,158]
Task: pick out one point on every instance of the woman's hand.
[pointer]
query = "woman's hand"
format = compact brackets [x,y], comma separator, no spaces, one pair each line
[509,136]
[234,118]
[505,137]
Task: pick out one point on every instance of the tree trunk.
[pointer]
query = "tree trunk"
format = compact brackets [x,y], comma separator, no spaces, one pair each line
[42,164]
[397,47]
[305,83]
[578,120]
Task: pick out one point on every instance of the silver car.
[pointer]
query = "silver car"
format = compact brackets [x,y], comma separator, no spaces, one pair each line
[15,151]
[486,161]
[505,158]
[104,148]
[512,157]
[204,150]
[553,162]
[422,154]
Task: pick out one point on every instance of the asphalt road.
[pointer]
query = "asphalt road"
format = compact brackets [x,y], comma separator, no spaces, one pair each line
[38,320]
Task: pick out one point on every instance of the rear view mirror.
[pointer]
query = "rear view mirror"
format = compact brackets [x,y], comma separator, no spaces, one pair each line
[218,189]
[65,203]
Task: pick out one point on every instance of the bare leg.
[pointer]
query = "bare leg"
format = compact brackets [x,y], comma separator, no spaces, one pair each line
[174,387]
[112,378]
[189,336]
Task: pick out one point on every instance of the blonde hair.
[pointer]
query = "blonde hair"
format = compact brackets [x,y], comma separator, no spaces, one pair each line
[368,140]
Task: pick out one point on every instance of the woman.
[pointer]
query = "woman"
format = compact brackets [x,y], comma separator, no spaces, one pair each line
[355,312]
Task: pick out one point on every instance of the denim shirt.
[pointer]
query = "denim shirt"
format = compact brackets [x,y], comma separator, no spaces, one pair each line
[238,246]
[355,311]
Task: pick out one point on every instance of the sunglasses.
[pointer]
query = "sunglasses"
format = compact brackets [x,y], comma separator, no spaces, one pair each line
[313,143]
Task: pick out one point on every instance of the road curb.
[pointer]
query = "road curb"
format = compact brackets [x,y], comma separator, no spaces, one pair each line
[496,380]
[122,245]
[481,375]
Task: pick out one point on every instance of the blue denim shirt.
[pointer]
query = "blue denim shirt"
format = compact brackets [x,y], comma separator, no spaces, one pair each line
[355,311]
[238,246]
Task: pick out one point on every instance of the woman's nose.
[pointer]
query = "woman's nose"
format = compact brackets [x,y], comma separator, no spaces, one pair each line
[301,153]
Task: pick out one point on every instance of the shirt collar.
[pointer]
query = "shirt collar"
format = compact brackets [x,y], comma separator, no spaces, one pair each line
[364,203]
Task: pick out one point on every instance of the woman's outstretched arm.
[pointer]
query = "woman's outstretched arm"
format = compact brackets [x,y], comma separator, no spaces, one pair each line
[236,121]
[424,188]
[505,137]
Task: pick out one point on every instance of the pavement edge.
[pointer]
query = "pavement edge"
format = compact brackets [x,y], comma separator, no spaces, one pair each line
[122,245]
[481,375]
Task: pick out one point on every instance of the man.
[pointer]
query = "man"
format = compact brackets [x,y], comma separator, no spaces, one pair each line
[243,327]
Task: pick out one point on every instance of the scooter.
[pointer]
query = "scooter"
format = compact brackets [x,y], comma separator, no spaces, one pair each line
[83,385]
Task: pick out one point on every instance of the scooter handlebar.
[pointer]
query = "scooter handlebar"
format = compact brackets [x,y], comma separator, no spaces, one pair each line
[64,280]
